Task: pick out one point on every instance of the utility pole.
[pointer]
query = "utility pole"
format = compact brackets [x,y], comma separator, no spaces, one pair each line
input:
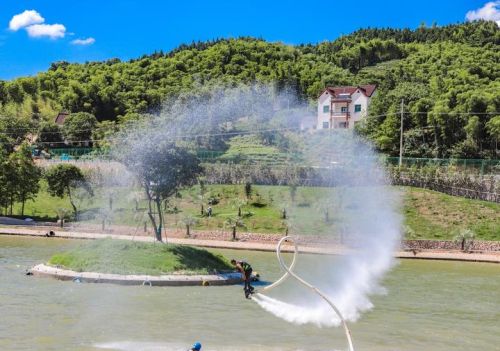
[401,135]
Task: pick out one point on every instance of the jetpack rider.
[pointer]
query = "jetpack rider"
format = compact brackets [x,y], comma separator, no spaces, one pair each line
[246,272]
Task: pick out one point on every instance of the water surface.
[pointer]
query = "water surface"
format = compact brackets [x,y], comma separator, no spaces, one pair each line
[429,305]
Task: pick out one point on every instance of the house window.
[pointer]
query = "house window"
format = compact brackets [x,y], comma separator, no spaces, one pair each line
[342,124]
[325,125]
[343,109]
[357,108]
[326,109]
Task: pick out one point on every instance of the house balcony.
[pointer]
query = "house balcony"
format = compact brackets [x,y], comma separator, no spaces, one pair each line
[339,120]
[341,114]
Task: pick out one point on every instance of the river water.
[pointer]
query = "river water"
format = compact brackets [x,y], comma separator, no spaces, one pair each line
[429,305]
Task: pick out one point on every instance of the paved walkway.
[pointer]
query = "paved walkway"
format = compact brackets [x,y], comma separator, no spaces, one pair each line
[493,257]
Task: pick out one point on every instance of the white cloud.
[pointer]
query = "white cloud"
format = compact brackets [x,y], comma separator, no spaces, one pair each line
[490,12]
[87,41]
[25,19]
[34,24]
[53,31]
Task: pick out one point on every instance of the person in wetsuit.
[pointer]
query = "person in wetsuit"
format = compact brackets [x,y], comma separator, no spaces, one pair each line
[246,272]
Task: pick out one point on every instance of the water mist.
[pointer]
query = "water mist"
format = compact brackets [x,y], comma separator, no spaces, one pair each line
[358,208]
[365,225]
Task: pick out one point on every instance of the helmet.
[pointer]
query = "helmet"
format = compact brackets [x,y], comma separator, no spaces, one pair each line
[197,346]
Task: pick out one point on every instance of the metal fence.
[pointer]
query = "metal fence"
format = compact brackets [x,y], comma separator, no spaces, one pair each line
[484,189]
[75,153]
[479,166]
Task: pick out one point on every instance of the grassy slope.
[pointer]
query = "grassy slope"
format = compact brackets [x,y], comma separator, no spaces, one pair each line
[126,257]
[251,147]
[433,215]
[430,215]
[44,206]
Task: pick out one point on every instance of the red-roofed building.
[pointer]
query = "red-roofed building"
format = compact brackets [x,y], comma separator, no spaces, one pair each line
[343,107]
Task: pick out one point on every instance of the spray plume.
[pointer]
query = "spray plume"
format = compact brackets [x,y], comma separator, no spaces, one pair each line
[363,221]
[359,209]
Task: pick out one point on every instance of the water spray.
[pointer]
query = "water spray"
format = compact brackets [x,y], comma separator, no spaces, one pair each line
[289,272]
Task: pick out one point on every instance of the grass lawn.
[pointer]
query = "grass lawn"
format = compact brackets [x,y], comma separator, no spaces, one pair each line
[427,214]
[433,215]
[251,147]
[128,257]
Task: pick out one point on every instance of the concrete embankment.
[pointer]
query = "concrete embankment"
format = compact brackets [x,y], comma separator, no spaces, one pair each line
[137,279]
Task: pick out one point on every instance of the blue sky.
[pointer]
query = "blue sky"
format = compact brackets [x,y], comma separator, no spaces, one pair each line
[88,30]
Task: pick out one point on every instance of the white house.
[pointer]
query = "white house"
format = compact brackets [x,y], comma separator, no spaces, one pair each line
[343,107]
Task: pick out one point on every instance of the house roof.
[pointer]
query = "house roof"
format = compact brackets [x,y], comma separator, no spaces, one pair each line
[61,117]
[367,90]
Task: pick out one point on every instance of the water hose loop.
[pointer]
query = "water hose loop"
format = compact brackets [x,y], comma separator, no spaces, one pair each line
[289,272]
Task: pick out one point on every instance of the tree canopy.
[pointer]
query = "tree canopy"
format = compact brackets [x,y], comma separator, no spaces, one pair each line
[445,74]
[79,126]
[162,170]
[64,179]
[19,177]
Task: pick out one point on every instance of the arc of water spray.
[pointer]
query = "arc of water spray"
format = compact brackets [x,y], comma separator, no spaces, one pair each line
[289,272]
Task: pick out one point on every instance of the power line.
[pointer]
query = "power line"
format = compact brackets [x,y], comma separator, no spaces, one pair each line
[13,130]
[173,137]
[453,113]
[9,131]
[431,112]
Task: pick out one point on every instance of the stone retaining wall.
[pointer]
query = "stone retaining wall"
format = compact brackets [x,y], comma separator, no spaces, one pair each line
[450,245]
[273,238]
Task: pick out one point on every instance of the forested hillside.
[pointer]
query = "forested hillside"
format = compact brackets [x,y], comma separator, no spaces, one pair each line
[447,76]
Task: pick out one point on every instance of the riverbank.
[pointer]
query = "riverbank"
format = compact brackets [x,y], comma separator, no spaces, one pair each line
[427,215]
[269,244]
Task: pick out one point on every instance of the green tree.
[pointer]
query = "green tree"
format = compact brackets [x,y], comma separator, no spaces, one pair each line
[63,180]
[162,170]
[103,134]
[4,180]
[10,182]
[49,132]
[13,131]
[27,175]
[472,128]
[78,127]
[493,127]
